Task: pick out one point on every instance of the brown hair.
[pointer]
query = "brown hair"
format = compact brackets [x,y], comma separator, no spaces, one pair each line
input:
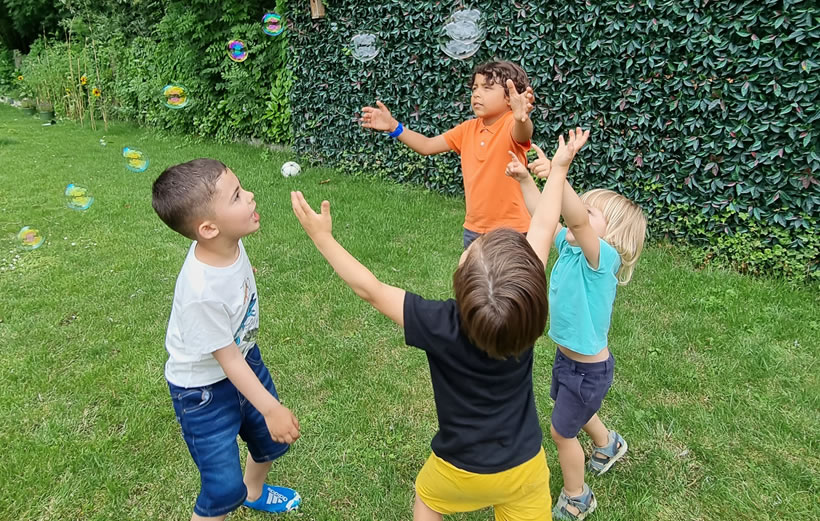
[183,193]
[501,292]
[625,227]
[500,72]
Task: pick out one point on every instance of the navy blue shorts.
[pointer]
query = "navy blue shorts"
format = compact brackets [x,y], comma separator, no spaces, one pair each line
[211,417]
[578,390]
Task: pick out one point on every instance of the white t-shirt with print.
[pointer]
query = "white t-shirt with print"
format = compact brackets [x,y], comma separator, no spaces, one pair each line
[213,307]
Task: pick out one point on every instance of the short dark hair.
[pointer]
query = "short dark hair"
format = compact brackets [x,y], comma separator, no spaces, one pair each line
[501,292]
[183,193]
[500,72]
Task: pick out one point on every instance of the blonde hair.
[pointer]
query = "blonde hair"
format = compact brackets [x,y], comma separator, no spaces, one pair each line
[625,227]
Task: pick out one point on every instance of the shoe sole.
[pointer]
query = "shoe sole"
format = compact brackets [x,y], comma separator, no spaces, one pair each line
[618,455]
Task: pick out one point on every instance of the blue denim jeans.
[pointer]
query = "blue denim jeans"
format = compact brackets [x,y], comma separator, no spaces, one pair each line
[469,236]
[211,417]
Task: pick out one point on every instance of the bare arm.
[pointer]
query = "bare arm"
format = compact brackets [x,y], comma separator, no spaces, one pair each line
[544,221]
[577,219]
[387,299]
[282,424]
[379,118]
[519,172]
[521,105]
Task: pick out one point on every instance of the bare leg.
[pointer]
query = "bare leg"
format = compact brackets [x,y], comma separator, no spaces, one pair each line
[422,512]
[571,458]
[255,474]
[195,517]
[596,430]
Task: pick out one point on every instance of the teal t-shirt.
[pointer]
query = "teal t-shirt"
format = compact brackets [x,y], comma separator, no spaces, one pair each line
[581,298]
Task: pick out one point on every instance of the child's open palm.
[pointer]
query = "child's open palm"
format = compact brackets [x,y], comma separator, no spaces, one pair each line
[567,150]
[315,224]
[520,103]
[378,118]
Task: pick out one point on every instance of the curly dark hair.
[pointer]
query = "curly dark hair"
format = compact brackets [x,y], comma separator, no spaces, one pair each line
[500,72]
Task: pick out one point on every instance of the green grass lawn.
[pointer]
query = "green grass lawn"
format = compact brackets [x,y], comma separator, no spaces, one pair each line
[716,385]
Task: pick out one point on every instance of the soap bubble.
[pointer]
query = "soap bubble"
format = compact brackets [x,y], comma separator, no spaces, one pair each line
[459,50]
[465,26]
[364,47]
[135,160]
[272,24]
[237,50]
[78,197]
[461,35]
[291,168]
[175,96]
[29,238]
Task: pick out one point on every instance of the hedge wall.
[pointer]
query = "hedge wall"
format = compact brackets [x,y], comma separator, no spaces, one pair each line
[704,112]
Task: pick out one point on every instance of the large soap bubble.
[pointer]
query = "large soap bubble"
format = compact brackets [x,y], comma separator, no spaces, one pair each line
[461,35]
[135,160]
[78,197]
[30,238]
[237,50]
[364,47]
[175,96]
[272,24]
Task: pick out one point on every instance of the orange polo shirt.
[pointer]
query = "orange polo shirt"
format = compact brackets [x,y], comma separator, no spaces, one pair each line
[493,199]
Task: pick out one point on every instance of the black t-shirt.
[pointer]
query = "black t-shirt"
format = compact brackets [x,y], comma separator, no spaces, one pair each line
[486,407]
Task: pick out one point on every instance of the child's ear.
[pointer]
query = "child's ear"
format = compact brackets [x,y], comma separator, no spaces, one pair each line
[207,230]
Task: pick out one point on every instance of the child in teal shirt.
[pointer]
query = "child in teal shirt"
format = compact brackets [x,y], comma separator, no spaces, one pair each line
[597,251]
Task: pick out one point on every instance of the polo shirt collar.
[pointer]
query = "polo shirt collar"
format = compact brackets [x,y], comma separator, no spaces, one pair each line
[498,125]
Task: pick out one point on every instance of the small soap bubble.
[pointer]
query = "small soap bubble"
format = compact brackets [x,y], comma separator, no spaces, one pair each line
[175,96]
[364,47]
[78,197]
[237,50]
[135,160]
[272,24]
[30,238]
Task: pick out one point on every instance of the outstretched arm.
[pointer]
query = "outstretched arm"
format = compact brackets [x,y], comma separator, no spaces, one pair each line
[545,219]
[573,210]
[379,118]
[521,106]
[387,299]
[576,218]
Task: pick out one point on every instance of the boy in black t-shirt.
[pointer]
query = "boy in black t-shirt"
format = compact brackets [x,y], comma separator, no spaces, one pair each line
[487,451]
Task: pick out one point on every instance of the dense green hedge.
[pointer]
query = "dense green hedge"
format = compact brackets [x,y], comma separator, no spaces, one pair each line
[143,46]
[704,112]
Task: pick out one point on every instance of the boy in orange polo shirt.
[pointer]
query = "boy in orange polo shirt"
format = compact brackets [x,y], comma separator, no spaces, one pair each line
[502,100]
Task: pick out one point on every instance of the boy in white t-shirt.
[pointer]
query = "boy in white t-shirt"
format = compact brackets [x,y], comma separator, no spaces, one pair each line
[219,385]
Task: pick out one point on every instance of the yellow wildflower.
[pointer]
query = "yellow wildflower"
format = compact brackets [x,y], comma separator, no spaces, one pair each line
[96,92]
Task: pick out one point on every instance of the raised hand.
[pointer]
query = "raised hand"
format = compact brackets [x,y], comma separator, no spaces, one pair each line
[378,118]
[516,169]
[540,167]
[566,151]
[520,103]
[313,223]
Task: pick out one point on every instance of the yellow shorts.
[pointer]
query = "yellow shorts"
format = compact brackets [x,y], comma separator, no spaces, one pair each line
[521,493]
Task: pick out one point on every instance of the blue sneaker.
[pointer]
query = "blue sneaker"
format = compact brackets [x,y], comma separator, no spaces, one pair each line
[276,500]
